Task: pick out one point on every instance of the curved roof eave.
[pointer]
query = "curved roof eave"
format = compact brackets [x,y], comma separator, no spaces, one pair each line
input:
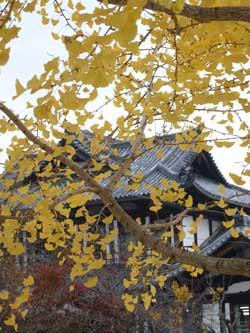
[231,194]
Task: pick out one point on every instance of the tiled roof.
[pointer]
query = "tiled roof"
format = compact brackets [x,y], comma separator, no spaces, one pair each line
[174,163]
[156,169]
[231,194]
[216,241]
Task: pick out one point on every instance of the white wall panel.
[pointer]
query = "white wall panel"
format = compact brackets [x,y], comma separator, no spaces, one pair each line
[189,238]
[211,316]
[202,231]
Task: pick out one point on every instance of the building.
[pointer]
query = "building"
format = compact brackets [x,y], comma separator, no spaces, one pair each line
[201,178]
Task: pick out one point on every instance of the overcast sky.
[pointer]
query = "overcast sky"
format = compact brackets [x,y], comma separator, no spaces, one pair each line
[28,54]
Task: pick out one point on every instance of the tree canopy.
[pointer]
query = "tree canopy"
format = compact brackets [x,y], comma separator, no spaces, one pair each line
[129,67]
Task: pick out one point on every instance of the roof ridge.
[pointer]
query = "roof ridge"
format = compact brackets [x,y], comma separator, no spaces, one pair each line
[217,168]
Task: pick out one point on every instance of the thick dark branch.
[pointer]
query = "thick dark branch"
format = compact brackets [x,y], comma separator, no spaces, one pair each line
[200,14]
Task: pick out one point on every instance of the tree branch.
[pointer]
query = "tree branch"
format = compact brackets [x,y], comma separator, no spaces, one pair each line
[227,266]
[4,19]
[200,14]
[165,225]
[67,195]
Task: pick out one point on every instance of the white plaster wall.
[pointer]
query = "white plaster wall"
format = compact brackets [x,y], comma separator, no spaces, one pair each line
[211,317]
[202,231]
[186,223]
[215,225]
[227,311]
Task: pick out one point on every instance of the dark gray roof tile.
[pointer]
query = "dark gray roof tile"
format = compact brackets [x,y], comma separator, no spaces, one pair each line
[170,165]
[231,194]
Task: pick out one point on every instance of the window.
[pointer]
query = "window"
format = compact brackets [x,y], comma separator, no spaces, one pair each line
[242,318]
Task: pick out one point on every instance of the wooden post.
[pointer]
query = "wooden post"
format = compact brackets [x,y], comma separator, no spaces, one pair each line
[116,243]
[172,233]
[108,245]
[25,253]
[145,327]
[147,222]
[137,324]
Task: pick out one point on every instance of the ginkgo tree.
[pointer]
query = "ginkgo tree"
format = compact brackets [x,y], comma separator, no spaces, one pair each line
[129,65]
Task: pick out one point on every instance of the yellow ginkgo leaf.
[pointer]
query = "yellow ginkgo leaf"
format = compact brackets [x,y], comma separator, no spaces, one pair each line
[55,36]
[114,166]
[226,144]
[4,56]
[24,189]
[159,154]
[152,290]
[228,224]
[108,219]
[189,202]
[167,234]
[234,233]
[181,233]
[4,295]
[155,208]
[147,298]
[221,188]
[237,179]
[129,306]
[188,268]
[231,211]
[126,283]
[199,270]
[221,203]
[161,280]
[19,88]
[201,206]
[29,281]
[90,283]
[11,321]
[16,248]
[23,298]
[134,186]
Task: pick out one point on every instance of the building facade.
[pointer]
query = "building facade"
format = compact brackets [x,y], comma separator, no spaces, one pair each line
[198,174]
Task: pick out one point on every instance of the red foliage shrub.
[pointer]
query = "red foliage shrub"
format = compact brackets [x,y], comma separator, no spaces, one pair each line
[100,309]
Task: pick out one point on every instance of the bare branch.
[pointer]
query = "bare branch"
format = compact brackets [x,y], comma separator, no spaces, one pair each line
[67,195]
[14,217]
[165,225]
[200,14]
